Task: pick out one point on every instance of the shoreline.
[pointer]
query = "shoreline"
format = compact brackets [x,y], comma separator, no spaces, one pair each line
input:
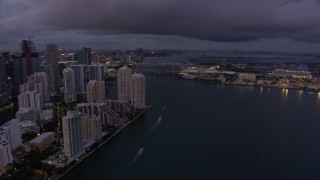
[243,85]
[103,142]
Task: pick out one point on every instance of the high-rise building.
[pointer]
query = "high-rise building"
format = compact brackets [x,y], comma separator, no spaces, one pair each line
[9,71]
[96,72]
[99,109]
[81,77]
[124,83]
[119,106]
[69,82]
[53,59]
[138,92]
[12,132]
[95,58]
[37,82]
[84,56]
[41,85]
[72,135]
[31,99]
[20,72]
[30,55]
[91,127]
[95,91]
[5,152]
[3,83]
[24,88]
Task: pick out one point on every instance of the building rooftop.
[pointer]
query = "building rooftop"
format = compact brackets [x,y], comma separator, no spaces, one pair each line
[9,122]
[41,137]
[27,124]
[24,110]
[46,115]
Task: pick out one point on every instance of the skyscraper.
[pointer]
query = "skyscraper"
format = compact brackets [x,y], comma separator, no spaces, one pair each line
[20,73]
[124,83]
[138,92]
[72,135]
[81,77]
[84,56]
[9,71]
[69,83]
[53,59]
[29,54]
[95,91]
[96,72]
[3,84]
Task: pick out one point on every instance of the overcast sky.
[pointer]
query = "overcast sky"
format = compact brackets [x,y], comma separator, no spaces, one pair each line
[281,25]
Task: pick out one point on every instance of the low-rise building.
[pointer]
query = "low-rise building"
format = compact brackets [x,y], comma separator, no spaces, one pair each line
[247,77]
[27,114]
[46,116]
[29,126]
[42,141]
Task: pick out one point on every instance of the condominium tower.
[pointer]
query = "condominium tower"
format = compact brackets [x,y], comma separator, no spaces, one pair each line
[72,135]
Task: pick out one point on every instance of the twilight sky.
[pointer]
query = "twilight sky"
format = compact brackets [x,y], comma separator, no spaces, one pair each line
[280,25]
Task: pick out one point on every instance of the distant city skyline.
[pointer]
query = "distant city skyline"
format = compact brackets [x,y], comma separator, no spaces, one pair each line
[274,25]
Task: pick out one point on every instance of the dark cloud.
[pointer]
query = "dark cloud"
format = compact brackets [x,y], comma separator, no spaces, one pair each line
[213,20]
[217,20]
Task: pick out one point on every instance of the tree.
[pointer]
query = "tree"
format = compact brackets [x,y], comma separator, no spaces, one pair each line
[28,136]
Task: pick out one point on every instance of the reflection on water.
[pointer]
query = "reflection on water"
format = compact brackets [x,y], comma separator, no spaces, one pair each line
[318,97]
[285,93]
[300,92]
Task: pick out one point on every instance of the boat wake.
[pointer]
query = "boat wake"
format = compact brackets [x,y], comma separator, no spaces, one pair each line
[137,156]
[155,125]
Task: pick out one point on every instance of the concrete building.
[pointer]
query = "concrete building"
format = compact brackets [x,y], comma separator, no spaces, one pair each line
[91,127]
[46,116]
[9,74]
[72,135]
[29,126]
[31,99]
[41,85]
[95,91]
[5,152]
[247,77]
[121,107]
[24,88]
[84,56]
[37,82]
[107,115]
[124,83]
[12,132]
[53,59]
[80,71]
[96,72]
[3,84]
[27,114]
[138,91]
[19,71]
[69,82]
[42,141]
